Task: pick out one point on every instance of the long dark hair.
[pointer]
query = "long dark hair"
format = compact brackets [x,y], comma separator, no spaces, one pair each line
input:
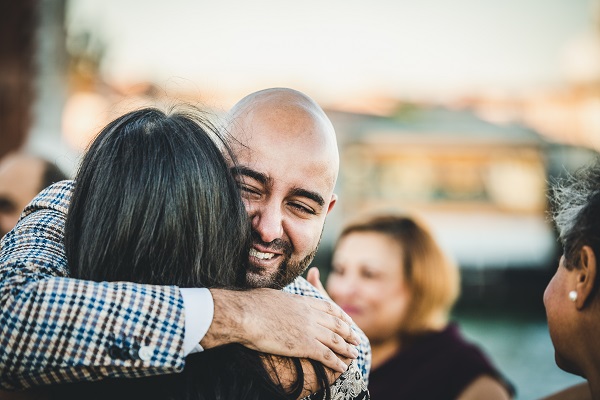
[154,203]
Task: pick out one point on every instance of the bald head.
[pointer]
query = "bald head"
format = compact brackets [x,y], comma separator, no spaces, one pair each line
[278,99]
[22,177]
[288,163]
[293,119]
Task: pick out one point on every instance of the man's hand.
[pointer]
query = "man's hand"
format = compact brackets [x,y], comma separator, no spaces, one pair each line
[284,324]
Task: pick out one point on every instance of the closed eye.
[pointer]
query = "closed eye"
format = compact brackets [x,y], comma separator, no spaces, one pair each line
[302,208]
[248,191]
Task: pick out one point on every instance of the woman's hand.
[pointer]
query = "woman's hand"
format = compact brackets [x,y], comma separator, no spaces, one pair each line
[314,278]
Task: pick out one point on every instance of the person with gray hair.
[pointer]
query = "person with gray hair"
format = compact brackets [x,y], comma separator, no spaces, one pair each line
[572,298]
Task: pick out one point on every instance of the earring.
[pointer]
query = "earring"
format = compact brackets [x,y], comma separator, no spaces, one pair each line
[573,295]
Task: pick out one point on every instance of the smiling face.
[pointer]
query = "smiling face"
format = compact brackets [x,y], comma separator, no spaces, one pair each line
[367,282]
[286,166]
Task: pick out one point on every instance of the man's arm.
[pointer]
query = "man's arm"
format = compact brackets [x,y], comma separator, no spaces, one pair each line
[277,322]
[54,329]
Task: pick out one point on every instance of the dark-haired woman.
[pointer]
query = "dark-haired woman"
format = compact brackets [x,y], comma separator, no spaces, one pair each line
[153,202]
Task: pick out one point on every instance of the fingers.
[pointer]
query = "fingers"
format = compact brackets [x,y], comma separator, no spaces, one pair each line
[336,342]
[337,320]
[314,278]
[331,308]
[345,360]
[329,359]
[312,328]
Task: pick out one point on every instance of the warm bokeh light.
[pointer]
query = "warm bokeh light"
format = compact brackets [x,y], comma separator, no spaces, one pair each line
[337,49]
[84,115]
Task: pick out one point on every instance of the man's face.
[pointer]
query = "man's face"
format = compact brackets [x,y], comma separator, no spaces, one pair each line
[20,181]
[286,179]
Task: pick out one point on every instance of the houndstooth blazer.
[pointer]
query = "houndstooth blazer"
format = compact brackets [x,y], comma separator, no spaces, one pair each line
[54,329]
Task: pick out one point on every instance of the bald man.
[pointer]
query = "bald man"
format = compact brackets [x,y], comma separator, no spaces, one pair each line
[22,177]
[288,163]
[287,167]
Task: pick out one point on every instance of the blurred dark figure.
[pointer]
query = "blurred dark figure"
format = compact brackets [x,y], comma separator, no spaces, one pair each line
[22,177]
[18,22]
[393,279]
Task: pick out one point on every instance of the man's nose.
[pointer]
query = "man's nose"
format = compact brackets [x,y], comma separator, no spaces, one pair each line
[267,221]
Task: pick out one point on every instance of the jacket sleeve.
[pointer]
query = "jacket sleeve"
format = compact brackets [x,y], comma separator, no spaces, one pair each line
[363,361]
[54,329]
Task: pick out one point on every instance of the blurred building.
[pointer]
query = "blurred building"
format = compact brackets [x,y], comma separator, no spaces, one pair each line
[481,186]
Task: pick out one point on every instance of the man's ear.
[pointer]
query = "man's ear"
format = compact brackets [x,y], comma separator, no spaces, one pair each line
[586,276]
[332,202]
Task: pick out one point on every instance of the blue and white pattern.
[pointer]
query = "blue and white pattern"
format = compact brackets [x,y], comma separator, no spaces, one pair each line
[56,330]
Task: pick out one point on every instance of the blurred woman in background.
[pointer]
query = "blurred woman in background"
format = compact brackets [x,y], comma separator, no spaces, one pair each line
[393,279]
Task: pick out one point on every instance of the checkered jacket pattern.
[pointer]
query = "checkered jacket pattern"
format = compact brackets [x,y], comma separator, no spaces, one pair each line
[54,329]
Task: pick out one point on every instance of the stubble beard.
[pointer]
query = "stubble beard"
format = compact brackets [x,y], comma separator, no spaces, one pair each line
[287,270]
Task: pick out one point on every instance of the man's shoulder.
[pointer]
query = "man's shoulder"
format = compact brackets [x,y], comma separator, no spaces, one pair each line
[55,197]
[302,287]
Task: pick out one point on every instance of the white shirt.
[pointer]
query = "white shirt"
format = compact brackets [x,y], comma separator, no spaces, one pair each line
[199,309]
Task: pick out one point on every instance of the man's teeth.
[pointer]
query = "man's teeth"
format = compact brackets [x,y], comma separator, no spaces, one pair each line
[260,255]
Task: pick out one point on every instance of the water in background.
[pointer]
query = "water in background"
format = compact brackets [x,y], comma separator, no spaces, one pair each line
[521,349]
[507,319]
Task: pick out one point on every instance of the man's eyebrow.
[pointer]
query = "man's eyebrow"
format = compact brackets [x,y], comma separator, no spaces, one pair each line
[316,197]
[265,180]
[260,177]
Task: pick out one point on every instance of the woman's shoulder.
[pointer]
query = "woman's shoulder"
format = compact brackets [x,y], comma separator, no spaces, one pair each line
[436,365]
[463,348]
[349,386]
[474,361]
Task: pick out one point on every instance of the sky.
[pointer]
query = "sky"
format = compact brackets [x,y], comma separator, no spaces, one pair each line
[337,49]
